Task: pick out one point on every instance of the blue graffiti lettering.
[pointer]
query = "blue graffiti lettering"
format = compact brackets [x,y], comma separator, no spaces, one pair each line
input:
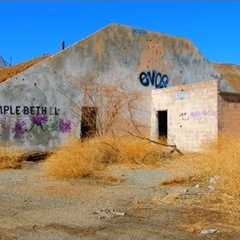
[153,78]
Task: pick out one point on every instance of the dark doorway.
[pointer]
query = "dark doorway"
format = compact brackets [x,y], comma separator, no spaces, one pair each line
[162,124]
[88,122]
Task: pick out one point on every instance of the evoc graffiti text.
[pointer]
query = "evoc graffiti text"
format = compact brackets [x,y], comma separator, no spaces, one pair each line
[154,78]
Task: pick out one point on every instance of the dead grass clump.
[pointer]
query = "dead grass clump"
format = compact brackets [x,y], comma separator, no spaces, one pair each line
[220,159]
[178,180]
[75,159]
[132,150]
[217,167]
[88,158]
[10,157]
[226,163]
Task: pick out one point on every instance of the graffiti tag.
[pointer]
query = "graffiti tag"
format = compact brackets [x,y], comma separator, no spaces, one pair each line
[153,78]
[184,116]
[182,95]
[42,122]
[204,113]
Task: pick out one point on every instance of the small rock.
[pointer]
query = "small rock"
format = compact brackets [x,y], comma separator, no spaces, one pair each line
[193,191]
[197,186]
[208,231]
[119,213]
[211,188]
[213,180]
[185,191]
[108,213]
[170,198]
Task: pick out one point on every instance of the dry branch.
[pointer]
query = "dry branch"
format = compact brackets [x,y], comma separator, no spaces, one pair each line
[174,147]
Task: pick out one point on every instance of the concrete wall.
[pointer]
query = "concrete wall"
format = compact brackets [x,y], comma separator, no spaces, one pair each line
[131,59]
[229,114]
[192,113]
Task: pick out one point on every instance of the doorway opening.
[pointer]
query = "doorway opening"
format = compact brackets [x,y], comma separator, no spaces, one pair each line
[88,122]
[162,125]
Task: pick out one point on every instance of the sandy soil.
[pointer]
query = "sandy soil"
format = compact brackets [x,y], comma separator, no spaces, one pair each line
[136,208]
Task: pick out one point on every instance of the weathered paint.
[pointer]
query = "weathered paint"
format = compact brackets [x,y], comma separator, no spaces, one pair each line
[192,114]
[114,56]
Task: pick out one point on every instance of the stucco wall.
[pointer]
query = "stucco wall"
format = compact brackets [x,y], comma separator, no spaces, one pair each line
[192,114]
[229,114]
[131,59]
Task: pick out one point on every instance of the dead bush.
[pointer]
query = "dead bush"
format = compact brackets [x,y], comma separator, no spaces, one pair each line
[10,157]
[80,159]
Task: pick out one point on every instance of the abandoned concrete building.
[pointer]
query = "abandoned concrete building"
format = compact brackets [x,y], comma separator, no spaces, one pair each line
[120,79]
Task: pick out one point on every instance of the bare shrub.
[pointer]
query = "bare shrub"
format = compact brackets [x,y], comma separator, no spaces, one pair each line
[116,107]
[10,157]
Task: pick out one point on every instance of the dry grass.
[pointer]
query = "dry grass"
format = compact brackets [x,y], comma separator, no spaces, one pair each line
[224,161]
[88,158]
[75,159]
[10,157]
[175,180]
[221,159]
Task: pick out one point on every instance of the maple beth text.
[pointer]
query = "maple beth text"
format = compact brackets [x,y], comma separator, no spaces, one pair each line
[28,110]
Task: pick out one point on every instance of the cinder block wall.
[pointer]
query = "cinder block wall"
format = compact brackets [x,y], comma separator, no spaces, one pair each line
[192,114]
[229,114]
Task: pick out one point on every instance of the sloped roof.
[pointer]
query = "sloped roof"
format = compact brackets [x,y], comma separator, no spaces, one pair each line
[8,72]
[230,73]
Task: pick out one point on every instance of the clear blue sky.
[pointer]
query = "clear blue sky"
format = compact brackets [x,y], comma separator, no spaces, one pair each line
[32,28]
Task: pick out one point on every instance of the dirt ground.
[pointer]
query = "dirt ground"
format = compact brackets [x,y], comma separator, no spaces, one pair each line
[137,207]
